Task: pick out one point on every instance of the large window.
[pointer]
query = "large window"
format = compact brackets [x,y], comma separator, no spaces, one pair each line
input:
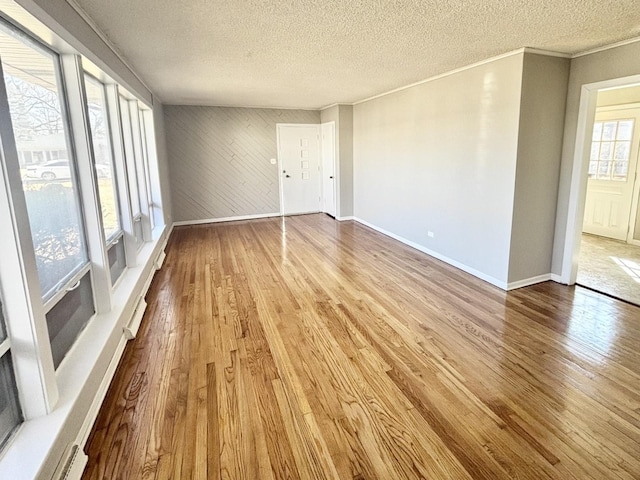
[103,157]
[10,415]
[127,134]
[32,79]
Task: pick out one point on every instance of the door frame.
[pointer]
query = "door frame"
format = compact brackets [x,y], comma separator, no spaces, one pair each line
[580,168]
[278,156]
[336,175]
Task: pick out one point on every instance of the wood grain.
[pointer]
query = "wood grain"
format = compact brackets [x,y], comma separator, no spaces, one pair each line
[306,348]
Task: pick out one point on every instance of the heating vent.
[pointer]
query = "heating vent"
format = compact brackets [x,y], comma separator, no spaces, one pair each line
[131,330]
[72,464]
[160,260]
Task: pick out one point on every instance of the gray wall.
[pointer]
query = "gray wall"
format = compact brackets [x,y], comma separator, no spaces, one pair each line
[441,156]
[342,115]
[219,159]
[346,160]
[609,64]
[542,108]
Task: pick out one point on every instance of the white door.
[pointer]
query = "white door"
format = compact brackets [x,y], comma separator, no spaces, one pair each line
[328,168]
[299,160]
[612,172]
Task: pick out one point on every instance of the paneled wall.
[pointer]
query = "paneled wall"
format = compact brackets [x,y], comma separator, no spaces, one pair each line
[220,159]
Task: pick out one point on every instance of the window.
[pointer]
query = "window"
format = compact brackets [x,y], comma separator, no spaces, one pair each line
[610,150]
[103,157]
[31,76]
[127,134]
[145,159]
[10,415]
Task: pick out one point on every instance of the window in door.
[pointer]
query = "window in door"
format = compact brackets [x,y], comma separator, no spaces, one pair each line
[610,150]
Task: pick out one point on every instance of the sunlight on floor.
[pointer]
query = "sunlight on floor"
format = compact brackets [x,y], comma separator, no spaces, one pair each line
[630,267]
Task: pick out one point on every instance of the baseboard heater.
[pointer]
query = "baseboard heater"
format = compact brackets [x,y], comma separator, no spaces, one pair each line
[131,330]
[72,464]
[160,260]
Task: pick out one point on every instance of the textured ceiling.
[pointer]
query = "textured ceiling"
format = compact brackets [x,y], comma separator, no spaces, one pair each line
[312,53]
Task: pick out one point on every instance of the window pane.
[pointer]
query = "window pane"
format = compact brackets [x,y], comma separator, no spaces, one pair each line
[69,316]
[593,167]
[103,156]
[625,130]
[605,151]
[620,170]
[622,151]
[603,170]
[145,164]
[31,79]
[10,415]
[134,195]
[595,150]
[117,261]
[597,131]
[609,131]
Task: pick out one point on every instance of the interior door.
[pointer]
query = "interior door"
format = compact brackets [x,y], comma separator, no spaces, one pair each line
[328,168]
[612,172]
[299,156]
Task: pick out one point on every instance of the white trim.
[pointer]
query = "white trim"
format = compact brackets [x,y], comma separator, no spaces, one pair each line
[622,43]
[547,53]
[529,281]
[101,393]
[5,345]
[445,74]
[344,219]
[556,278]
[618,108]
[254,107]
[454,263]
[224,219]
[334,105]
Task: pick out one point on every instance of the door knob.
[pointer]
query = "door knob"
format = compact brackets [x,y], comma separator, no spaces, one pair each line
[287,176]
[331,176]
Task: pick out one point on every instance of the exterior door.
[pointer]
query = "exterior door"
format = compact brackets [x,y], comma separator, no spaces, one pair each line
[328,168]
[612,173]
[299,160]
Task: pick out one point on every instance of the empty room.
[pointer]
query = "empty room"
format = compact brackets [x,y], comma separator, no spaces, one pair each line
[319,240]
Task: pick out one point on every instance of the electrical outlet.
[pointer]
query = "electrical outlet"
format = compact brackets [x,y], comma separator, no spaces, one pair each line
[430,234]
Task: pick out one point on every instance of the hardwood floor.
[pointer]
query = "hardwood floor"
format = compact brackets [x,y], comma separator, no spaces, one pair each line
[307,348]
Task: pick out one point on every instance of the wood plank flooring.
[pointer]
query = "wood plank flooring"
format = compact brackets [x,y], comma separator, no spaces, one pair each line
[311,349]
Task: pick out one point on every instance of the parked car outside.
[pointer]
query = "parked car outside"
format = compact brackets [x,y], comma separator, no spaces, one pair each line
[60,170]
[56,169]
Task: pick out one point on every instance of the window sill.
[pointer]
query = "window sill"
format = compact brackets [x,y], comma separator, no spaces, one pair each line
[39,443]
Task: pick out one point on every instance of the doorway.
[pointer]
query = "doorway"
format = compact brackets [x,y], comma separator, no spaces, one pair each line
[607,248]
[299,167]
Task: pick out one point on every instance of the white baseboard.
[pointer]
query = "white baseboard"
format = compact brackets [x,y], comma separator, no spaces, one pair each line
[529,281]
[342,219]
[92,414]
[454,263]
[226,219]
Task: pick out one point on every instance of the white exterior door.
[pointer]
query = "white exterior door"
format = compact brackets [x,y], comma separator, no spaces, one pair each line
[328,168]
[299,160]
[612,173]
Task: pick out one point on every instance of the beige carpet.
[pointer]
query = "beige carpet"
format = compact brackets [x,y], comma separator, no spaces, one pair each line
[610,266]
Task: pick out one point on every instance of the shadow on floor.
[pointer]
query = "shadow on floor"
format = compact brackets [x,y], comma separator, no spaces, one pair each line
[610,266]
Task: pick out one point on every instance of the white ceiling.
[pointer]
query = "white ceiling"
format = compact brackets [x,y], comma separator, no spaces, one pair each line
[313,53]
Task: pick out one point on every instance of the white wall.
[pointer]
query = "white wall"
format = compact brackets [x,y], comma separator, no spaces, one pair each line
[441,156]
